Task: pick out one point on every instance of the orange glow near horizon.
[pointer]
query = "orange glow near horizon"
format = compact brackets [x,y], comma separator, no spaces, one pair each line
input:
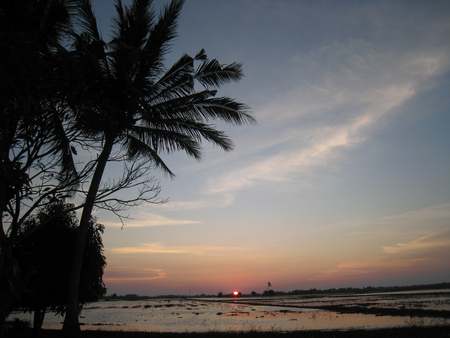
[235,293]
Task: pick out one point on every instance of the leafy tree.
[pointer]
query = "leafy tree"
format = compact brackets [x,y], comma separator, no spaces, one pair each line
[35,152]
[135,108]
[45,255]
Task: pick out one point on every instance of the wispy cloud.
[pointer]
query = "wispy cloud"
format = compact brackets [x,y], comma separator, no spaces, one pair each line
[429,226]
[119,275]
[150,248]
[221,201]
[435,218]
[438,213]
[370,269]
[333,99]
[347,89]
[144,219]
[428,242]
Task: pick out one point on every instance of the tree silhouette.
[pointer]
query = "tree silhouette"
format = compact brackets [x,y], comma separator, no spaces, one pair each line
[127,102]
[34,143]
[46,256]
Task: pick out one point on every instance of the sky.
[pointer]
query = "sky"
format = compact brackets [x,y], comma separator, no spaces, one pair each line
[344,181]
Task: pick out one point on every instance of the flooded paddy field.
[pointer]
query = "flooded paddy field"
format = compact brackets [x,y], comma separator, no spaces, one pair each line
[286,313]
[434,303]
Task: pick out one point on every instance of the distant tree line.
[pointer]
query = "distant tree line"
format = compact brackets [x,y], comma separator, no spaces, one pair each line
[366,289]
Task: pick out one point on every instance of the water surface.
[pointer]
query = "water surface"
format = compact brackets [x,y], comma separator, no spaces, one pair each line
[286,313]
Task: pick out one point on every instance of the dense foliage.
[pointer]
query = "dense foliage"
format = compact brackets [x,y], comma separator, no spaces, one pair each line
[35,155]
[45,255]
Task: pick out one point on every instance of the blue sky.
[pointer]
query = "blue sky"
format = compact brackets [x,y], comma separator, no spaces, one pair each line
[345,179]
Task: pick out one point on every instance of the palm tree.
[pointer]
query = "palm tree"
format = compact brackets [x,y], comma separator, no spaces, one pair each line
[128,101]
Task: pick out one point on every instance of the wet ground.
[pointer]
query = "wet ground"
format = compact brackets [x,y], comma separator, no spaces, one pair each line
[434,304]
[289,313]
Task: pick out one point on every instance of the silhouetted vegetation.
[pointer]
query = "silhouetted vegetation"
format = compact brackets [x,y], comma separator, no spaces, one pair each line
[45,255]
[134,108]
[63,89]
[36,162]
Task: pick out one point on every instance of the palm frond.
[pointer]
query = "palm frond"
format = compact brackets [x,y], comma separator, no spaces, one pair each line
[158,42]
[167,139]
[177,81]
[136,148]
[201,56]
[199,131]
[213,74]
[88,42]
[71,6]
[132,24]
[173,106]
[56,18]
[68,171]
[119,21]
[140,19]
[91,53]
[201,106]
[226,109]
[87,21]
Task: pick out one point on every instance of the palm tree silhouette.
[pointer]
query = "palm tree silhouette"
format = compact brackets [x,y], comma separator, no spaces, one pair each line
[126,100]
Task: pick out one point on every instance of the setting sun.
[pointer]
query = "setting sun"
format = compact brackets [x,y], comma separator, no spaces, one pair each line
[236,293]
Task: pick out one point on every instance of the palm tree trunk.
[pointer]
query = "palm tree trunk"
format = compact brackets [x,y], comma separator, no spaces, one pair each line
[71,327]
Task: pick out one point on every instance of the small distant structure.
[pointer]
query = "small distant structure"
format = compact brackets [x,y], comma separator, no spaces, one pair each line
[268,291]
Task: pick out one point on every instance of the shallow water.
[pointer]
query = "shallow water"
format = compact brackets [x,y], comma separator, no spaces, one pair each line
[275,313]
[431,300]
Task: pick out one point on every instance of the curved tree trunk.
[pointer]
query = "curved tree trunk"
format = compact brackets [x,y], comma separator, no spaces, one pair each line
[71,327]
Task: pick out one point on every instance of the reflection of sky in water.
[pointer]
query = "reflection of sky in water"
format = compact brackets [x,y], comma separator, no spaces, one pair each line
[435,300]
[181,315]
